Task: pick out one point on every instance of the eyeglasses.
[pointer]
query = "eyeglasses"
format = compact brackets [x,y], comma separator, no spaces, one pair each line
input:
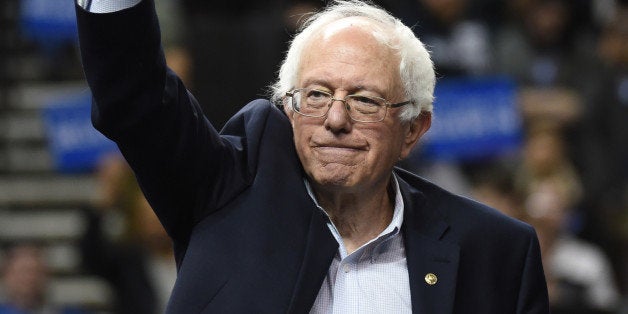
[315,103]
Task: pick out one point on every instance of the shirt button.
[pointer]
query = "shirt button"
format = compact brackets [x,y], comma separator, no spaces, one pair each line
[346,268]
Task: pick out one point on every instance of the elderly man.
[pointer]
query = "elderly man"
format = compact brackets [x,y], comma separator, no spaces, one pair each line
[301,210]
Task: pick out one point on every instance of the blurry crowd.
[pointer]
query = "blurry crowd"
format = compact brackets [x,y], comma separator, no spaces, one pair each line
[123,243]
[569,59]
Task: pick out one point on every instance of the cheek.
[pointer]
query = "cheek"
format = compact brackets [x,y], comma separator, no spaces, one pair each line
[302,135]
[384,144]
[381,158]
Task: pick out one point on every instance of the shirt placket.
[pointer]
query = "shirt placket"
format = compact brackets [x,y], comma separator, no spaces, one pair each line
[347,295]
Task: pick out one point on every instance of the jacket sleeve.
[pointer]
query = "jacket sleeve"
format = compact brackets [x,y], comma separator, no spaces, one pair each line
[185,168]
[533,297]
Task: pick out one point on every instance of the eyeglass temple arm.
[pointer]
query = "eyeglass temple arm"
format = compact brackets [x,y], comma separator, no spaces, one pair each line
[401,104]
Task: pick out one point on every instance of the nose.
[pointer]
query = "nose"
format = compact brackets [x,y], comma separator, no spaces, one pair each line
[337,119]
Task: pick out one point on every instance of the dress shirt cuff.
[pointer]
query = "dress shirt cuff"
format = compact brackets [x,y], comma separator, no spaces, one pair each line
[106,6]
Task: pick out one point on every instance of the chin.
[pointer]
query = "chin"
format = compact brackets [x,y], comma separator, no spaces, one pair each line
[333,181]
[334,177]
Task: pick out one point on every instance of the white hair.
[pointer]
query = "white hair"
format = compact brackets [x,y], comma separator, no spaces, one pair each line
[416,69]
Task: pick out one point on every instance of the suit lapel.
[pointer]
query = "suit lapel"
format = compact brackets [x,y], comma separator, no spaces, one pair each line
[319,252]
[432,263]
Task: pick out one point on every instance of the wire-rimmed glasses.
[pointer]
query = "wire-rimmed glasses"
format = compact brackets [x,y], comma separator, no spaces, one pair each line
[316,103]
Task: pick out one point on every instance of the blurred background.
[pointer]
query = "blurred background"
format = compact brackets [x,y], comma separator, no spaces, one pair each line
[531,117]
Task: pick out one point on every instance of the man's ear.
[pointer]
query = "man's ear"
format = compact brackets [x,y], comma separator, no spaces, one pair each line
[414,132]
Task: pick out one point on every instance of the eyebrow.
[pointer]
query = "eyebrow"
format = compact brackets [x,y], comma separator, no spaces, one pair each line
[353,89]
[314,81]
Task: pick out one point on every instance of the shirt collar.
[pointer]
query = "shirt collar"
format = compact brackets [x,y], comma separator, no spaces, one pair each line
[393,228]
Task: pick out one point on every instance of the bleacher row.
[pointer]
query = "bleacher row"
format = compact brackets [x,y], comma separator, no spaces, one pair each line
[39,204]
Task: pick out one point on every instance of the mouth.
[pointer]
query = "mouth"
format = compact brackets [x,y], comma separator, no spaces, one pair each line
[339,147]
[338,153]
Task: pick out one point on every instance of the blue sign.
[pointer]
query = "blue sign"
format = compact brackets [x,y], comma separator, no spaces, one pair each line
[473,118]
[48,22]
[74,143]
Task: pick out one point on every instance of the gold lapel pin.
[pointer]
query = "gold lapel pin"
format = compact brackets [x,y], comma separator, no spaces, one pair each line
[431,279]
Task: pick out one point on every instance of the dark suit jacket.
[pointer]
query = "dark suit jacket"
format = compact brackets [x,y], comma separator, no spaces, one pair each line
[247,237]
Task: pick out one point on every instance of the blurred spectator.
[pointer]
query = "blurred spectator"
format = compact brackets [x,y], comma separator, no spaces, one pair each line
[541,45]
[458,40]
[578,274]
[25,278]
[494,186]
[544,158]
[139,263]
